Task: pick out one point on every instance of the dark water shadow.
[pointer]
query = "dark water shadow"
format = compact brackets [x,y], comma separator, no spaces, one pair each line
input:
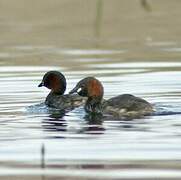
[94,124]
[55,122]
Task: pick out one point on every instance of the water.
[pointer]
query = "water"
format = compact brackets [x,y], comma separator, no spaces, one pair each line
[136,52]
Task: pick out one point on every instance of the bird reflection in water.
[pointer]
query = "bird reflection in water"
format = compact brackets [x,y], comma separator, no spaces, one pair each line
[94,124]
[55,122]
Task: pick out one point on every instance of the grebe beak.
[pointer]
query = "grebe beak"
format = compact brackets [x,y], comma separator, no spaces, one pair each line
[74,90]
[41,84]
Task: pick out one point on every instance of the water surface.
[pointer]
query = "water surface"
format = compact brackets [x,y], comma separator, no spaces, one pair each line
[136,52]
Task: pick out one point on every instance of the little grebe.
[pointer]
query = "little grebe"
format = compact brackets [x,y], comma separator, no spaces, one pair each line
[56,81]
[124,105]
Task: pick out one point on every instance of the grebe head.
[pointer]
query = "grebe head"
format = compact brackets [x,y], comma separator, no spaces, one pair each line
[89,87]
[55,81]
